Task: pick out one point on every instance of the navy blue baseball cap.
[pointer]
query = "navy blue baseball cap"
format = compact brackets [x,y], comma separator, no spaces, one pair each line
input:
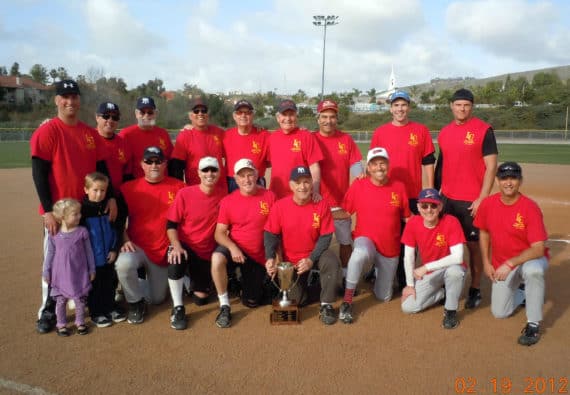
[285,105]
[108,107]
[298,172]
[400,95]
[243,103]
[509,169]
[145,102]
[429,195]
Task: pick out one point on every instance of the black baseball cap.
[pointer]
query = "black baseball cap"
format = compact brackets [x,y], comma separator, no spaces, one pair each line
[285,105]
[243,103]
[108,107]
[509,169]
[153,152]
[463,94]
[67,87]
[298,172]
[198,102]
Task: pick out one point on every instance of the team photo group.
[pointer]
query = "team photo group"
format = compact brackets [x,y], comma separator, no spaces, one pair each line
[131,218]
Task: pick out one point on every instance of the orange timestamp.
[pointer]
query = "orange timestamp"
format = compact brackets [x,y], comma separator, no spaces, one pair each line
[506,385]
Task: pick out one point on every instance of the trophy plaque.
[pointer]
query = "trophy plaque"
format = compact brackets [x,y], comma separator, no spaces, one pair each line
[285,311]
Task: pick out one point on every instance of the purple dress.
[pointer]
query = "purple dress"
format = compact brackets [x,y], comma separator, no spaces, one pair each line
[68,263]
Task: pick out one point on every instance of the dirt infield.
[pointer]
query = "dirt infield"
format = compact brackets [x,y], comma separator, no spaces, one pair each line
[383,352]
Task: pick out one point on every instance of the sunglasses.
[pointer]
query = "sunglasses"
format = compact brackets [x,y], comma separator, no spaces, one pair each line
[106,117]
[200,111]
[425,206]
[146,112]
[244,112]
[209,169]
[153,161]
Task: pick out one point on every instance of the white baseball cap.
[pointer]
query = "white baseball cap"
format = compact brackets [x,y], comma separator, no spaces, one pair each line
[244,163]
[208,161]
[378,152]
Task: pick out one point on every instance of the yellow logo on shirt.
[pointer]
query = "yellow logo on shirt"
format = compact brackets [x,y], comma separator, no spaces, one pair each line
[316,221]
[161,143]
[342,149]
[413,141]
[263,208]
[89,141]
[469,138]
[440,240]
[121,155]
[217,140]
[395,200]
[171,196]
[296,145]
[255,148]
[519,222]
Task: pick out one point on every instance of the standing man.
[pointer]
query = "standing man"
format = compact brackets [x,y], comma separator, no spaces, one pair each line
[64,150]
[412,155]
[190,229]
[303,229]
[341,161]
[145,134]
[245,141]
[380,204]
[144,242]
[239,234]
[290,146]
[193,144]
[512,237]
[466,167]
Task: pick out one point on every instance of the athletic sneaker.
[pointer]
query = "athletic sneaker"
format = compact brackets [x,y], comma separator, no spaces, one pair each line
[47,321]
[178,318]
[136,312]
[118,315]
[450,320]
[345,313]
[224,318]
[327,314]
[530,334]
[473,299]
[102,322]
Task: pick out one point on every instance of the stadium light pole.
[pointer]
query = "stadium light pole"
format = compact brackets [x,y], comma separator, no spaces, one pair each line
[324,21]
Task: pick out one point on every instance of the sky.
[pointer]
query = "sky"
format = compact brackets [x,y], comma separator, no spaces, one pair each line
[259,46]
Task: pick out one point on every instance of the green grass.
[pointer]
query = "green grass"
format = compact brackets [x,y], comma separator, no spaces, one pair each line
[14,154]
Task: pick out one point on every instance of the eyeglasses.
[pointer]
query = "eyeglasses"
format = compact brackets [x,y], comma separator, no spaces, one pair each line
[425,206]
[209,170]
[146,112]
[244,112]
[200,111]
[153,161]
[106,117]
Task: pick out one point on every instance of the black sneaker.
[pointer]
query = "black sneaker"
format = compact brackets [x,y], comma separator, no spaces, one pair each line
[473,299]
[224,318]
[118,315]
[530,334]
[47,321]
[136,312]
[450,320]
[102,322]
[327,314]
[178,318]
[345,313]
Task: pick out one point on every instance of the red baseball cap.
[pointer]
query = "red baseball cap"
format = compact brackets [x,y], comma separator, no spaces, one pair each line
[327,105]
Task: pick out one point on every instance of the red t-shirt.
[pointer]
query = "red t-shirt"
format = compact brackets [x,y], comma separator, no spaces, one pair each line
[286,151]
[340,152]
[254,146]
[245,217]
[118,159]
[193,144]
[379,212]
[433,244]
[73,152]
[463,164]
[512,228]
[196,214]
[299,226]
[148,206]
[407,145]
[138,140]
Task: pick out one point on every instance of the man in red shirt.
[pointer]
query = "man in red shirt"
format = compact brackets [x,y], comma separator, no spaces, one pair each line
[341,161]
[303,229]
[380,204]
[290,146]
[512,237]
[145,243]
[239,234]
[145,134]
[190,229]
[465,170]
[245,140]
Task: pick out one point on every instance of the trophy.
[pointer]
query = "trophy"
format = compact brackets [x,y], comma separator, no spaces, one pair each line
[285,311]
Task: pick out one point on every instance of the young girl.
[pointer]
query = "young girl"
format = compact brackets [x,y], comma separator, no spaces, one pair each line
[69,266]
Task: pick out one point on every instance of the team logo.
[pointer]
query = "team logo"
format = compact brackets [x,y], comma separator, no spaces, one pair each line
[440,240]
[255,148]
[171,196]
[110,106]
[68,85]
[342,149]
[263,208]
[469,138]
[145,100]
[121,155]
[296,145]
[395,200]
[519,222]
[413,141]
[89,141]
[161,143]
[217,140]
[316,221]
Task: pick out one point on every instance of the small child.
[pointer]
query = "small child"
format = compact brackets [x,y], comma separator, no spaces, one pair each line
[103,236]
[69,266]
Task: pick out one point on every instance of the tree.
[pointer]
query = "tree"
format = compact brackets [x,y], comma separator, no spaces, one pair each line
[15,69]
[94,74]
[372,94]
[62,73]
[39,73]
[3,70]
[300,96]
[152,88]
[53,75]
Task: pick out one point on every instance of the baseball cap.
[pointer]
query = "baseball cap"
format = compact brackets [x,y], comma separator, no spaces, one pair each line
[509,169]
[244,163]
[429,195]
[327,105]
[198,102]
[298,172]
[243,103]
[285,105]
[145,102]
[377,152]
[153,152]
[463,94]
[107,107]
[66,87]
[400,95]
[208,161]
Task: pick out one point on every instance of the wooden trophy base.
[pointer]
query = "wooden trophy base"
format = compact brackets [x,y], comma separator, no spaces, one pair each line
[289,315]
